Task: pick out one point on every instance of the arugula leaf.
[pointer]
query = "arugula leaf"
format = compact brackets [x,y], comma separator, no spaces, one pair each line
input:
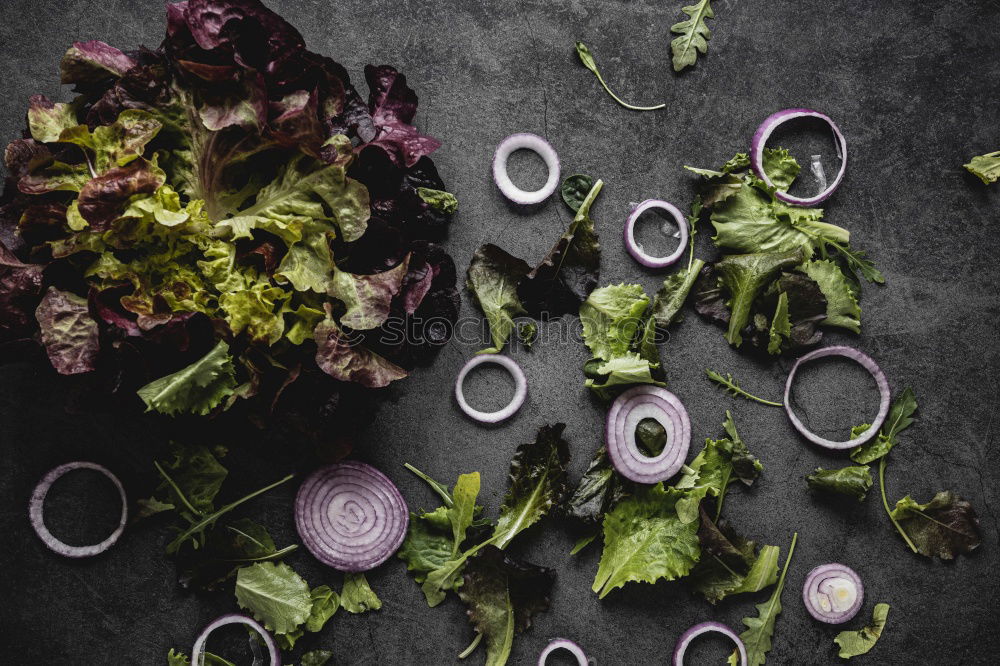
[356,596]
[757,636]
[744,276]
[842,307]
[225,550]
[611,317]
[587,59]
[781,325]
[694,34]
[671,296]
[502,595]
[855,643]
[730,385]
[567,275]
[600,489]
[944,527]
[537,483]
[492,278]
[438,487]
[198,389]
[985,167]
[899,418]
[649,536]
[325,603]
[574,190]
[190,482]
[462,513]
[852,481]
[275,595]
[730,564]
[721,463]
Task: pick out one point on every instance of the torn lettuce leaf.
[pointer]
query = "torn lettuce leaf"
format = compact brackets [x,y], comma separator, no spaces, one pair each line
[842,307]
[899,418]
[744,276]
[670,298]
[611,317]
[856,643]
[198,389]
[853,481]
[985,167]
[730,564]
[275,595]
[492,278]
[356,596]
[944,527]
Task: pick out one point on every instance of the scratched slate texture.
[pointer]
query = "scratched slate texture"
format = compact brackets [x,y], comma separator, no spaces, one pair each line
[914,86]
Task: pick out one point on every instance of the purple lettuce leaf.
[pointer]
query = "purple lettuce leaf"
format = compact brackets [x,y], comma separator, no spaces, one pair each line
[69,334]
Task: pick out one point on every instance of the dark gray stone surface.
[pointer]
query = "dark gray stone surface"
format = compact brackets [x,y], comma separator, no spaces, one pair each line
[914,86]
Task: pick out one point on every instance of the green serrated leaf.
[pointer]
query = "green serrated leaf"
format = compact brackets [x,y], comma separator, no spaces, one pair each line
[275,595]
[197,389]
[985,167]
[694,34]
[855,643]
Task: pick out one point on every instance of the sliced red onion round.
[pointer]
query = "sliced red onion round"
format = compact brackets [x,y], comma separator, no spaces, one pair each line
[198,651]
[764,132]
[865,362]
[350,516]
[563,644]
[536,144]
[36,509]
[637,252]
[627,411]
[520,388]
[833,593]
[704,628]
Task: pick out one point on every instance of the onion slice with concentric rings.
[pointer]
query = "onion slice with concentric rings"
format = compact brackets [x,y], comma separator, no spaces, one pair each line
[36,512]
[764,132]
[198,651]
[637,252]
[520,388]
[563,644]
[627,411]
[350,516]
[705,628]
[833,593]
[536,144]
[866,362]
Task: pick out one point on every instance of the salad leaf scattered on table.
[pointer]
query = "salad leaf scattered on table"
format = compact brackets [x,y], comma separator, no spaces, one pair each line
[985,167]
[899,418]
[732,387]
[856,643]
[357,596]
[854,481]
[275,595]
[944,527]
[694,34]
[729,563]
[587,59]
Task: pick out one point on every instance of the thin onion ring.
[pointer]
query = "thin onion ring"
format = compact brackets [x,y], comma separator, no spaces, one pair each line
[537,145]
[563,644]
[812,589]
[36,510]
[626,412]
[637,252]
[350,516]
[520,388]
[703,628]
[865,362]
[198,651]
[759,142]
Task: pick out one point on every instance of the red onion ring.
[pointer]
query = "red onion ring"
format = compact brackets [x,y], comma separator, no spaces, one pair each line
[520,388]
[637,252]
[763,133]
[535,144]
[36,510]
[563,644]
[704,628]
[865,362]
[820,586]
[350,516]
[197,652]
[626,412]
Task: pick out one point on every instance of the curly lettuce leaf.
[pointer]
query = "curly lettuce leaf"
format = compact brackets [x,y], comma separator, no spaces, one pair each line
[842,307]
[357,596]
[853,481]
[339,358]
[649,536]
[492,277]
[944,527]
[856,643]
[985,167]
[197,389]
[671,296]
[502,595]
[744,276]
[611,317]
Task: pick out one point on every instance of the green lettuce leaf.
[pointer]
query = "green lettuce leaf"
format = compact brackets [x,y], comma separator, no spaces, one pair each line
[985,167]
[492,278]
[275,595]
[744,276]
[944,527]
[600,489]
[611,317]
[357,596]
[670,298]
[781,325]
[648,536]
[502,595]
[694,34]
[730,564]
[367,297]
[190,482]
[197,389]
[855,643]
[899,418]
[439,199]
[316,658]
[537,483]
[180,659]
[429,543]
[842,307]
[852,481]
[780,167]
[721,463]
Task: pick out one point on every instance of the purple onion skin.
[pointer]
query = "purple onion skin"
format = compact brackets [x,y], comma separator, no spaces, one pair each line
[633,248]
[233,618]
[520,392]
[680,649]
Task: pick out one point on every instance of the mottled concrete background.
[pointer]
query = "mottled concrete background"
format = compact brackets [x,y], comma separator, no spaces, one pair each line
[915,87]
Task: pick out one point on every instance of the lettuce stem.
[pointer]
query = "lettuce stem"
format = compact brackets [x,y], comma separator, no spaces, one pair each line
[885,503]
